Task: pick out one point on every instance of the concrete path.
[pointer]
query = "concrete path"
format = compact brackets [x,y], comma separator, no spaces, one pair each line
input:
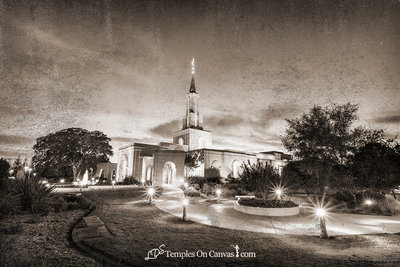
[223,215]
[91,188]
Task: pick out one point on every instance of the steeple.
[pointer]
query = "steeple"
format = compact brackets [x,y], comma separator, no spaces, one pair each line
[192,84]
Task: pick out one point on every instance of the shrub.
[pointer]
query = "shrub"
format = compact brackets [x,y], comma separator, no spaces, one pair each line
[130,181]
[32,195]
[75,201]
[208,188]
[267,203]
[256,177]
[192,193]
[199,180]
[58,203]
[8,204]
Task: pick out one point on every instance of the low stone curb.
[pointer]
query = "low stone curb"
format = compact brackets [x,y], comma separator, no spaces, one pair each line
[76,237]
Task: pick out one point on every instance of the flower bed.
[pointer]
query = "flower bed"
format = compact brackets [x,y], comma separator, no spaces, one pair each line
[267,203]
[267,207]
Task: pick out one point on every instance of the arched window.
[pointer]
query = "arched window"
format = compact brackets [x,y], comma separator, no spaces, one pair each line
[235,169]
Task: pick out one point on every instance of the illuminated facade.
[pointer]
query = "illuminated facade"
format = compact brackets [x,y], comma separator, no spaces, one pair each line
[165,163]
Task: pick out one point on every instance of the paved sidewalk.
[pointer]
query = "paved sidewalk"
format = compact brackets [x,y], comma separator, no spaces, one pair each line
[223,215]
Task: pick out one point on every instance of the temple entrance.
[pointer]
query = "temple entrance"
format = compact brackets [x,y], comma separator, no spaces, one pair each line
[123,171]
[169,173]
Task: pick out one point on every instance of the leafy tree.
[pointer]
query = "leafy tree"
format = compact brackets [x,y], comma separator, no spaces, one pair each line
[377,165]
[193,160]
[327,134]
[312,175]
[257,177]
[4,171]
[76,148]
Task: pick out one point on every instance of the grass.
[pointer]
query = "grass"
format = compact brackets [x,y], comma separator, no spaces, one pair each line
[34,240]
[138,227]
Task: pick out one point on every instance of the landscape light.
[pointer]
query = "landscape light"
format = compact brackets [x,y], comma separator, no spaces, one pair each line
[113,183]
[150,192]
[185,204]
[322,213]
[369,202]
[186,185]
[11,171]
[181,180]
[62,181]
[47,185]
[218,191]
[278,193]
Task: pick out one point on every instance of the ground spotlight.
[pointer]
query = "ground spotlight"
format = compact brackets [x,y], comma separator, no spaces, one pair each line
[150,192]
[218,192]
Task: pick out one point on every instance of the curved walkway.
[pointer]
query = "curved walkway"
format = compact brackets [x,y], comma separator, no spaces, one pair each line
[223,215]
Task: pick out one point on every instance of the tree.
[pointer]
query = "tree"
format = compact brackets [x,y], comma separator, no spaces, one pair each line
[312,175]
[257,177]
[327,134]
[75,148]
[377,165]
[193,160]
[4,171]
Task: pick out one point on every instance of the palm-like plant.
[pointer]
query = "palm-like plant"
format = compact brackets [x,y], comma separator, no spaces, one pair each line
[31,194]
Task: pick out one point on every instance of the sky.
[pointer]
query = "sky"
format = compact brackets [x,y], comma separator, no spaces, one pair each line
[124,67]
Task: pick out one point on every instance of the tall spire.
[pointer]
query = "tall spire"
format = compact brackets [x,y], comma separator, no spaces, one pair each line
[192,84]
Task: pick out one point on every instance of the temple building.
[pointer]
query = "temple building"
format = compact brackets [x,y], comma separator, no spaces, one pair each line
[165,163]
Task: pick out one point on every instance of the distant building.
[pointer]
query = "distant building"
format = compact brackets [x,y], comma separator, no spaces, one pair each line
[165,163]
[106,170]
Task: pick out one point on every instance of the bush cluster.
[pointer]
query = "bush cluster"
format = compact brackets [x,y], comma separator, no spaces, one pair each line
[130,181]
[267,203]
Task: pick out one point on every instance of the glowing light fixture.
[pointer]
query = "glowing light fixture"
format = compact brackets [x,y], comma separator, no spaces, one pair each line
[278,193]
[368,202]
[150,192]
[62,181]
[218,191]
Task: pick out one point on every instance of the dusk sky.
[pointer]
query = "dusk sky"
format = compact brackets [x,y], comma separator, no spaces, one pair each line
[123,67]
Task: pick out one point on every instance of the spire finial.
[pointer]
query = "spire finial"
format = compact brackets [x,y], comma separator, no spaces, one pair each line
[192,85]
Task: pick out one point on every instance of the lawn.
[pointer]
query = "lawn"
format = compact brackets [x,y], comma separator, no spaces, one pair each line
[138,227]
[35,240]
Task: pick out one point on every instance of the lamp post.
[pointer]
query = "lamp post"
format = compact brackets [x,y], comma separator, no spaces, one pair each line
[185,204]
[151,192]
[321,213]
[142,181]
[113,183]
[218,191]
[11,172]
[278,193]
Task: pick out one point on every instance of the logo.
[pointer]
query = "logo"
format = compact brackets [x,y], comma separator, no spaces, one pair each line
[155,252]
[237,250]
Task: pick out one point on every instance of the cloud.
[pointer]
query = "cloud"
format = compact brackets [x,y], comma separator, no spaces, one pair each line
[16,140]
[166,129]
[223,122]
[389,119]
